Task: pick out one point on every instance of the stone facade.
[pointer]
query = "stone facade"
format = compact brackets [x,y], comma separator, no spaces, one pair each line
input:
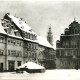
[68,48]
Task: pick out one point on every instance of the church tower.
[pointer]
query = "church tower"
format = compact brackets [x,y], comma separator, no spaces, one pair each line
[50,36]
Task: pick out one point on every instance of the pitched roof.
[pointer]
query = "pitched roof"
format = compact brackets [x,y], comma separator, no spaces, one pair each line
[43,41]
[22,25]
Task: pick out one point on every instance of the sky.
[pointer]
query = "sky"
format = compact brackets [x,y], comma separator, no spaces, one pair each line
[39,14]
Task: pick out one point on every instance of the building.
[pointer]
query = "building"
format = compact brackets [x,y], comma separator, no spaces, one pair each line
[20,44]
[68,48]
[46,55]
[50,36]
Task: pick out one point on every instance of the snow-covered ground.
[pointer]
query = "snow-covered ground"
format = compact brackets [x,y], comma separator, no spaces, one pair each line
[48,75]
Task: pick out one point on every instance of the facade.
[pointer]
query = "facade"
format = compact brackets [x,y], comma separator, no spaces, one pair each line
[68,48]
[19,44]
[46,58]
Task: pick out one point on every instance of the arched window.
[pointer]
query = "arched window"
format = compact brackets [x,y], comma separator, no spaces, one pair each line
[29,35]
[75,31]
[78,43]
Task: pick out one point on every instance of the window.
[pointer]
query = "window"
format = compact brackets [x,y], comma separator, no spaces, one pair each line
[11,41]
[14,42]
[26,55]
[78,43]
[78,52]
[29,35]
[1,52]
[19,63]
[17,53]
[1,39]
[33,37]
[30,46]
[8,52]
[8,41]
[17,42]
[20,43]
[20,53]
[14,53]
[26,35]
[29,54]
[35,46]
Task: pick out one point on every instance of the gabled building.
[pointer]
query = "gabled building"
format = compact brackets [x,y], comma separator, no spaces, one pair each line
[20,44]
[68,48]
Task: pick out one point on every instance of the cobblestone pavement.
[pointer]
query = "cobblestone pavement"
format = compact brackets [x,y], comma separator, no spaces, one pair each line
[48,75]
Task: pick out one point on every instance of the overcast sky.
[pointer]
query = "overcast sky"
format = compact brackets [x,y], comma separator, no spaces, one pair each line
[40,14]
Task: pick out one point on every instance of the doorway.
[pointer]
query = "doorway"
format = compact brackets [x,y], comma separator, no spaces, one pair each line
[1,66]
[11,65]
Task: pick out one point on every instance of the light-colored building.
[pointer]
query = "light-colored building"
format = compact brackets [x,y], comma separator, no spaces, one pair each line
[19,44]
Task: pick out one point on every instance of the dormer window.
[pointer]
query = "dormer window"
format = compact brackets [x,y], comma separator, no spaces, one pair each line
[29,35]
[8,13]
[21,18]
[20,22]
[30,30]
[26,36]
[22,27]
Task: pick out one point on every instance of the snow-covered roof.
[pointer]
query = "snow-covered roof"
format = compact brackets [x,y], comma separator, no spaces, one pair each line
[2,29]
[43,41]
[31,65]
[22,25]
[40,40]
[30,40]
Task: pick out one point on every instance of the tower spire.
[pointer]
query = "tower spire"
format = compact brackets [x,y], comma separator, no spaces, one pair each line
[50,36]
[74,18]
[50,28]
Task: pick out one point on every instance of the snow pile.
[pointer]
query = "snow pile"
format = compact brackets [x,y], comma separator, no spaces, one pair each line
[31,65]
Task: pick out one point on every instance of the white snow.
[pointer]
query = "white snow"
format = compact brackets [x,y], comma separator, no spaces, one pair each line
[48,75]
[31,40]
[43,41]
[15,36]
[31,65]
